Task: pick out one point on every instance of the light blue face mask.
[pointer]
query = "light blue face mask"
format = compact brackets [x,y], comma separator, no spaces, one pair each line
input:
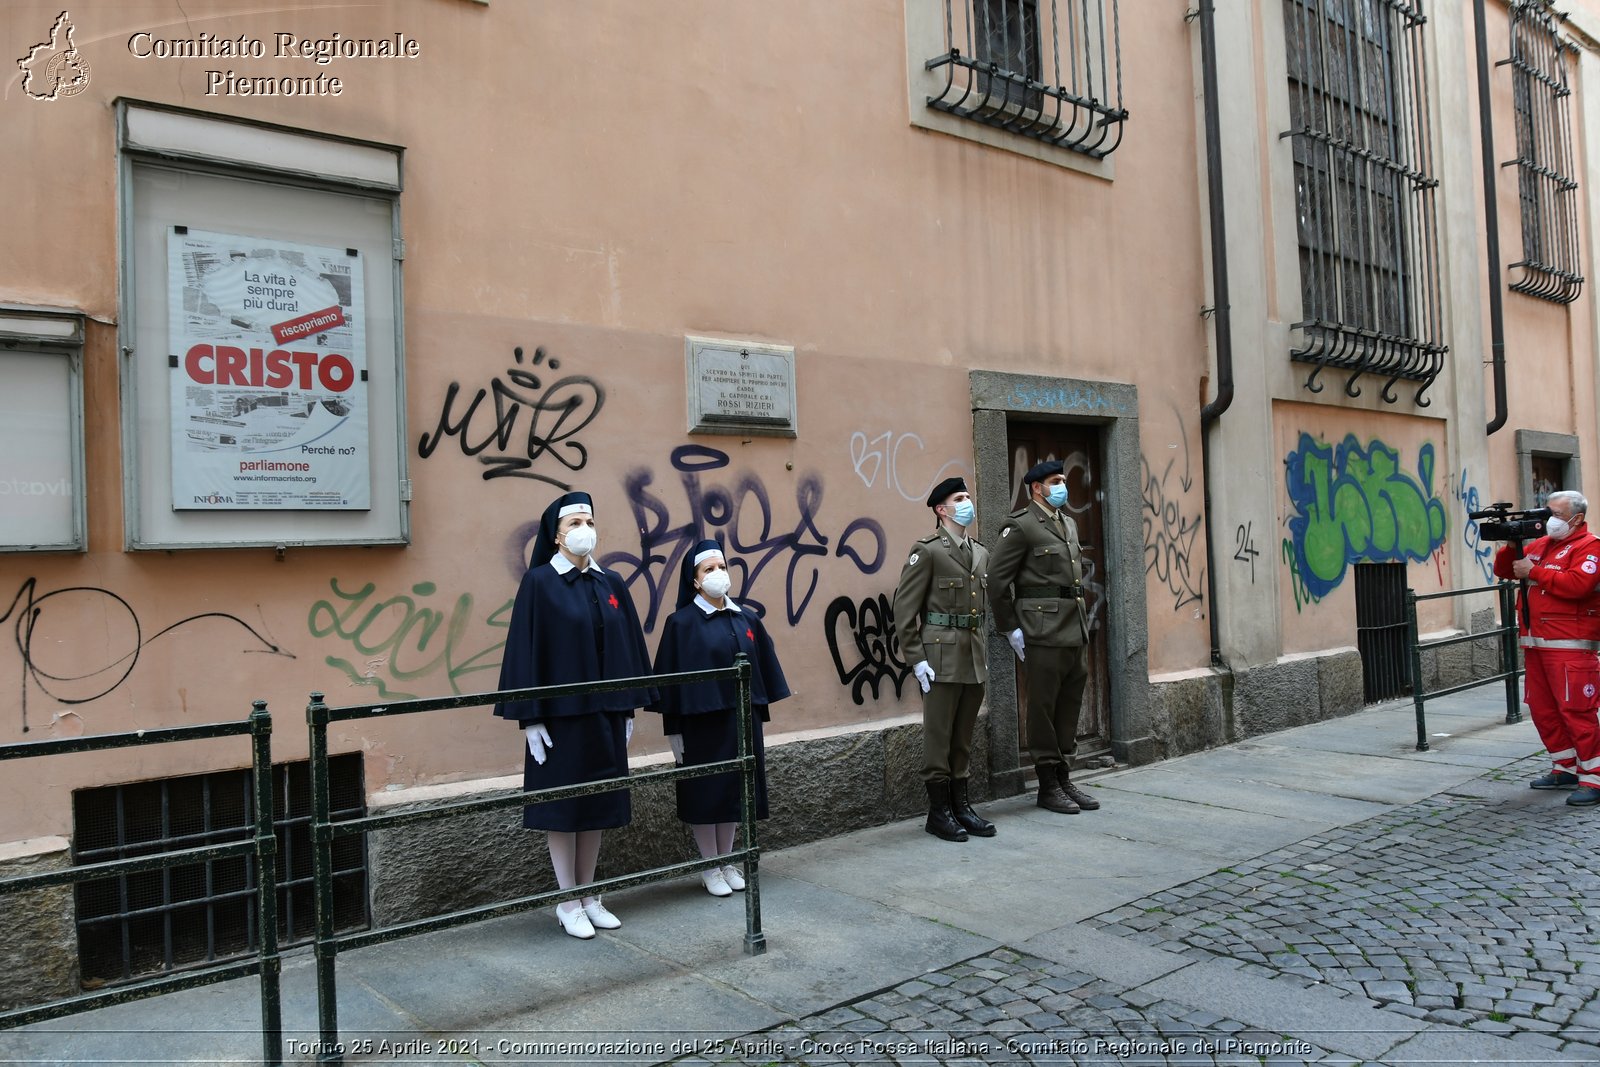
[964,513]
[1057,495]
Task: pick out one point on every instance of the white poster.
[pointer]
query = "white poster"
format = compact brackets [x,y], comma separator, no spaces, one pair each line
[269,399]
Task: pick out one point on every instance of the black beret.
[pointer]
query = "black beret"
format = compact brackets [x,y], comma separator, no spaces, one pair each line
[1040,471]
[945,488]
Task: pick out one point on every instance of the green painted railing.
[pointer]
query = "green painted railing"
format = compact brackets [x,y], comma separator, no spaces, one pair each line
[1508,670]
[329,1048]
[263,846]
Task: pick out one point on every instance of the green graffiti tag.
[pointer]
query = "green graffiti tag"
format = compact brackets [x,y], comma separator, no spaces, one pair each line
[401,641]
[1354,504]
[1302,595]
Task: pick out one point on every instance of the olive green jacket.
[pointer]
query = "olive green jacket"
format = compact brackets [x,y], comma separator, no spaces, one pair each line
[1036,578]
[950,582]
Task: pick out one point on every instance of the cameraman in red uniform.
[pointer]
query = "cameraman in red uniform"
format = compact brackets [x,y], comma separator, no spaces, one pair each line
[1560,625]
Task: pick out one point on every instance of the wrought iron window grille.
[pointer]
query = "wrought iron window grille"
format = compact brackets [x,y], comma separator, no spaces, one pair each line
[1546,190]
[999,53]
[1365,193]
[163,920]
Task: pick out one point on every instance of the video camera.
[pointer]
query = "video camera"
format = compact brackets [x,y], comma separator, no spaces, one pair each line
[1498,522]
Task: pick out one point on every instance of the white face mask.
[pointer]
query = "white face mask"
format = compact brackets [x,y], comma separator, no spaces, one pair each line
[1558,529]
[716,584]
[581,540]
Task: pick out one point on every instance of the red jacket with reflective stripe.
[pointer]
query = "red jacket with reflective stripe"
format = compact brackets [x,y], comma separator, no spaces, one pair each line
[1563,602]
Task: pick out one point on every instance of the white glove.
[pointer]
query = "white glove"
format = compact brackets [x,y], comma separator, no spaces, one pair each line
[627,733]
[675,742]
[1015,637]
[538,741]
[924,674]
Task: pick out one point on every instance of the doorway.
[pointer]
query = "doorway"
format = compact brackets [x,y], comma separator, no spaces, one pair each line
[1078,447]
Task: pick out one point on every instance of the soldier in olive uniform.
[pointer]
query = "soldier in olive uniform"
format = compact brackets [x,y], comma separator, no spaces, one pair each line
[938,617]
[1038,604]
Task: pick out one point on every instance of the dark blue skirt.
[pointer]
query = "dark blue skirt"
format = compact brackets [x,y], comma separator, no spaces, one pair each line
[584,748]
[709,738]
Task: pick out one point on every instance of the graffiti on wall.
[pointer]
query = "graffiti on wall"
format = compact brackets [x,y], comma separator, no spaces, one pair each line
[1171,529]
[1303,596]
[398,640]
[888,460]
[47,637]
[773,551]
[1468,496]
[509,444]
[1354,503]
[875,647]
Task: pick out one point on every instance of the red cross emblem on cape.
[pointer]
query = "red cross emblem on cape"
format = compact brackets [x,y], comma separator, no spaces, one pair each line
[749,635]
[613,601]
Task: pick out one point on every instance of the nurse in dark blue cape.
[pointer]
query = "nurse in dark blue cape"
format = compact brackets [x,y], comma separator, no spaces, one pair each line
[700,720]
[574,622]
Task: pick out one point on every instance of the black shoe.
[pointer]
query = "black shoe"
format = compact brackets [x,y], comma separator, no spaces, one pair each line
[1554,780]
[1051,798]
[1078,796]
[1583,796]
[975,824]
[941,820]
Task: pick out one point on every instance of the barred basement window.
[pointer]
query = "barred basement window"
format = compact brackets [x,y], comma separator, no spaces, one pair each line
[1364,191]
[154,921]
[1546,189]
[1050,72]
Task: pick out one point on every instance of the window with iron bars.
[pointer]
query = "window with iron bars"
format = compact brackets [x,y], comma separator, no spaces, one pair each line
[1364,193]
[1050,71]
[1546,189]
[154,921]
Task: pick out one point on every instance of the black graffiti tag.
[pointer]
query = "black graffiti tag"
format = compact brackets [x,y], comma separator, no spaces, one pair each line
[555,416]
[43,636]
[877,648]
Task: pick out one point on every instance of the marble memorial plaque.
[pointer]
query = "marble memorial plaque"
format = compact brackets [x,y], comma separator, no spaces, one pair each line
[738,387]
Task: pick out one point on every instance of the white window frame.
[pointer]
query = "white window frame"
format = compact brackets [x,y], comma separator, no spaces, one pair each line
[54,334]
[154,137]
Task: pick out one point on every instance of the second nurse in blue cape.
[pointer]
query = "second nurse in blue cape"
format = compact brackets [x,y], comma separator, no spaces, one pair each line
[701,719]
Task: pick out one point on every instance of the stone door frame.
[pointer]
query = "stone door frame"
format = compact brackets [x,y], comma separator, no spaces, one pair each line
[1113,406]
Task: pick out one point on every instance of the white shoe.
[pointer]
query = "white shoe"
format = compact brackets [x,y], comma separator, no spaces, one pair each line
[599,917]
[575,922]
[734,877]
[715,883]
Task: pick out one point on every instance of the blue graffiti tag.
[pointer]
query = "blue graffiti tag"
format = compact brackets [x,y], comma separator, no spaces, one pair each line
[1356,504]
[1471,501]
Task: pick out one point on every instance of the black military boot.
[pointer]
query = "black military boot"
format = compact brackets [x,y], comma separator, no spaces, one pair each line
[941,820]
[975,824]
[1078,796]
[1051,798]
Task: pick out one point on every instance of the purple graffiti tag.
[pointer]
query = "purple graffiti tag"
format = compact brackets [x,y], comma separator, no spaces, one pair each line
[743,518]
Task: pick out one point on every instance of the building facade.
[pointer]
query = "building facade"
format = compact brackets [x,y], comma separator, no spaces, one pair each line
[309,314]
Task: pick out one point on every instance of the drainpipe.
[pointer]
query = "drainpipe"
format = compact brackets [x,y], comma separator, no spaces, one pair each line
[1491,221]
[1221,319]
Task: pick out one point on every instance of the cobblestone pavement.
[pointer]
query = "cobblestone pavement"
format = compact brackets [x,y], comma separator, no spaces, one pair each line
[1468,909]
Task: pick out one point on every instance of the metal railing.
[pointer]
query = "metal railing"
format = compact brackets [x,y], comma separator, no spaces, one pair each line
[323,829]
[263,846]
[1508,670]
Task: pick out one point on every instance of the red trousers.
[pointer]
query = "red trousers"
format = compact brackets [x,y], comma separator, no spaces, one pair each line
[1562,690]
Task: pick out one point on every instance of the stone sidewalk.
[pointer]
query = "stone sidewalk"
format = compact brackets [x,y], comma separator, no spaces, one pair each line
[1326,894]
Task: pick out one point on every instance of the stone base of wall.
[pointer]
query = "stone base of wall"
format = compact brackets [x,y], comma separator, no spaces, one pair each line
[1195,710]
[1461,663]
[820,783]
[38,938]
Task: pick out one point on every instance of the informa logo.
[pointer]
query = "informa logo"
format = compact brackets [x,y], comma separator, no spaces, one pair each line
[55,68]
